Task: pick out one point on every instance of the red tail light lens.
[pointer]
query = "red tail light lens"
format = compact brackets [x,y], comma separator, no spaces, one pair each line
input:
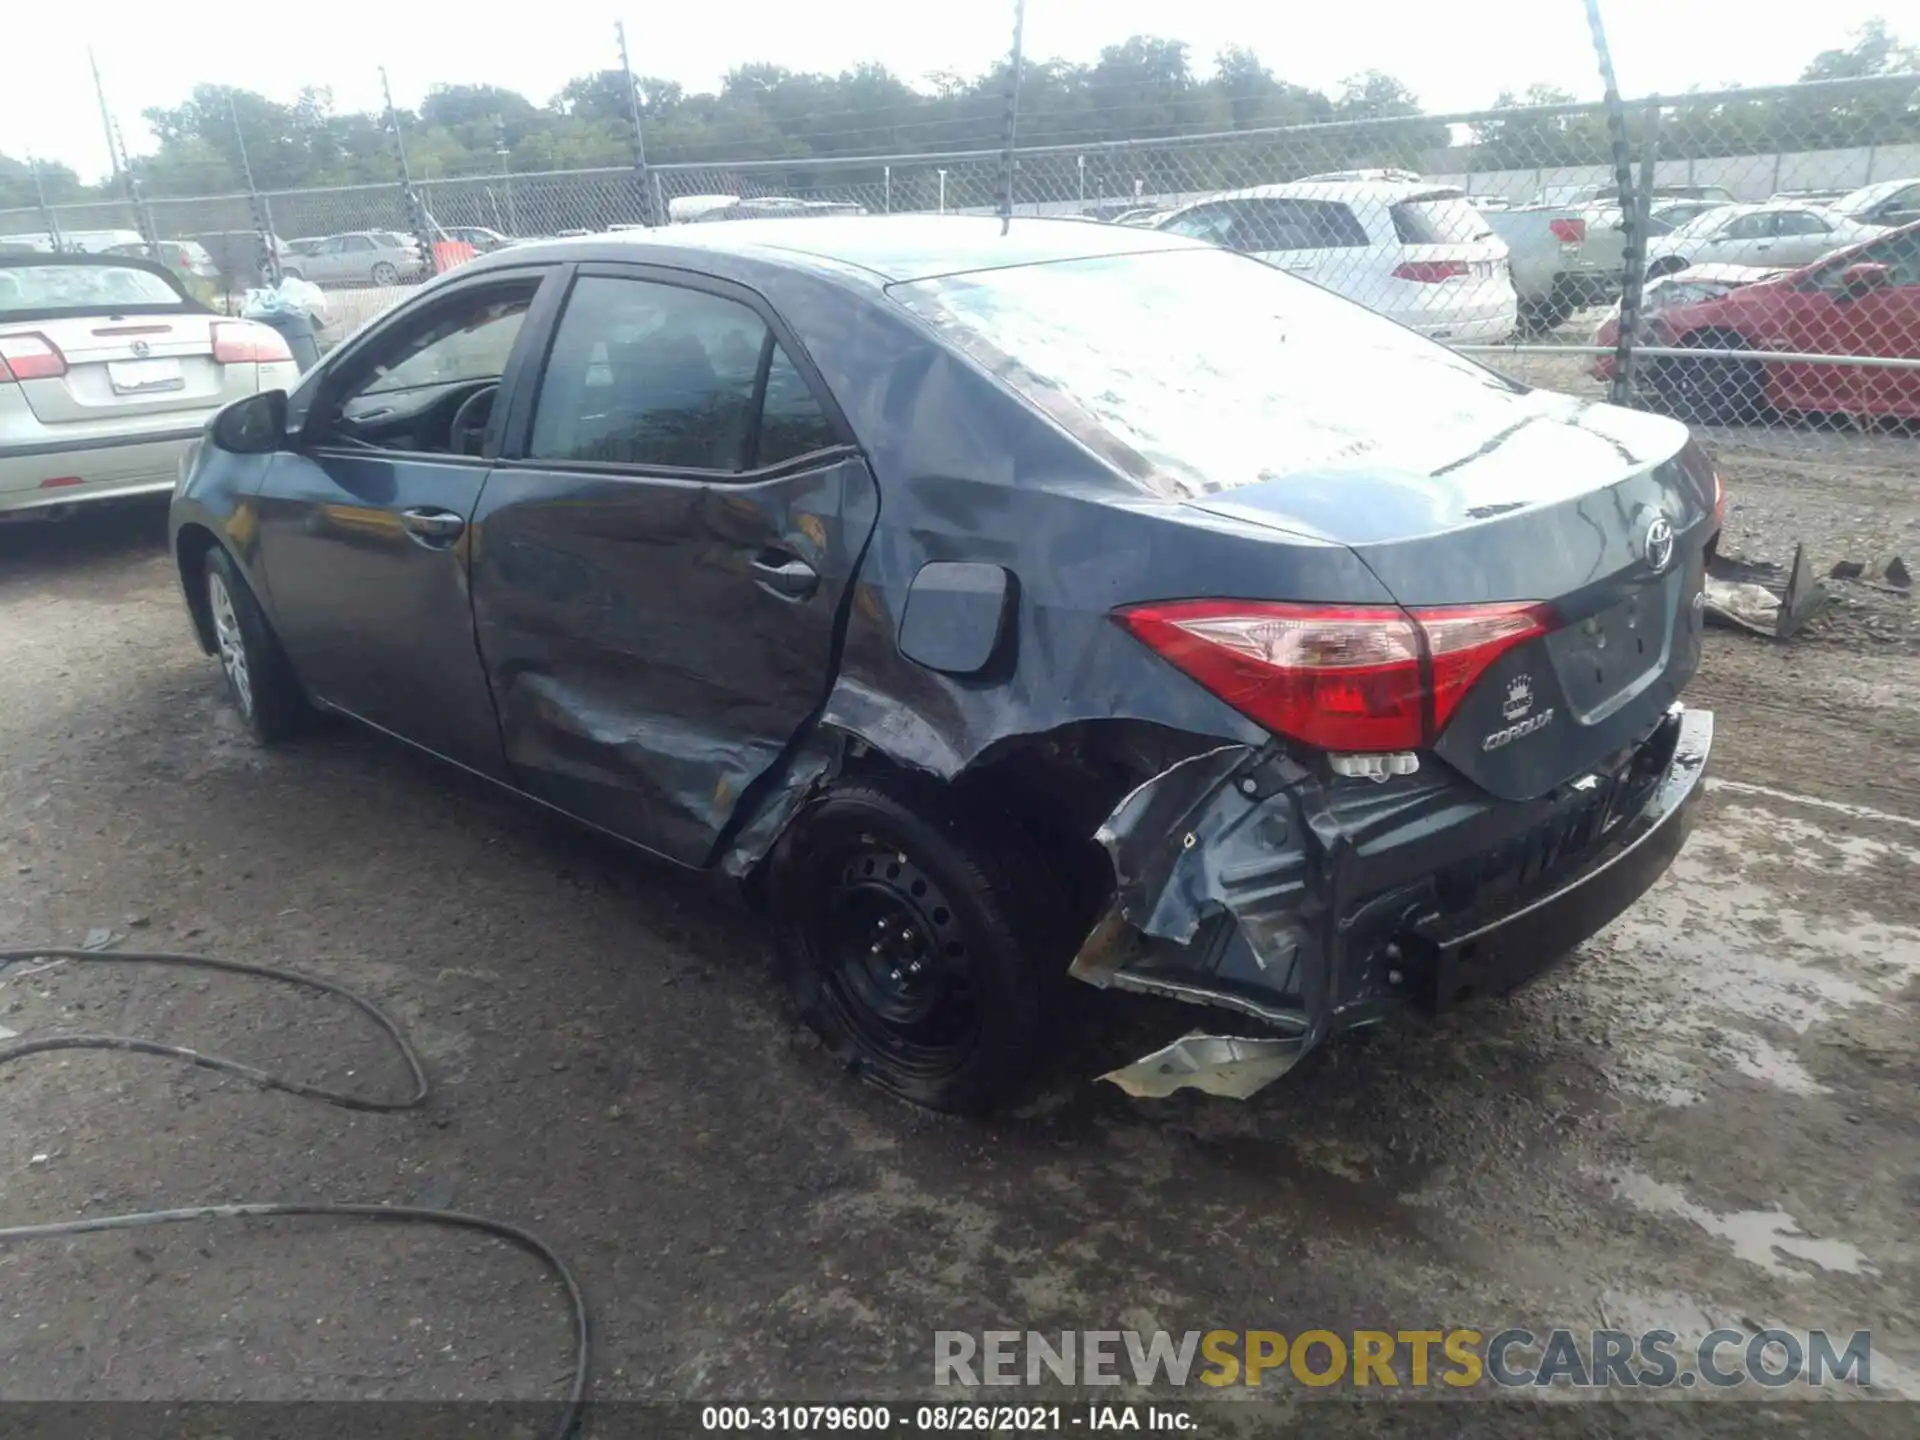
[1431,272]
[1568,230]
[1336,677]
[30,357]
[241,342]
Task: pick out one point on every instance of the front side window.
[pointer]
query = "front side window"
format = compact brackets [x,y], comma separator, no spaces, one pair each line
[469,342]
[1213,223]
[1801,222]
[1747,227]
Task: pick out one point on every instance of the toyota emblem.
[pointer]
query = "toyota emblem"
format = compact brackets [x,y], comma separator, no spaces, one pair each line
[141,347]
[1658,544]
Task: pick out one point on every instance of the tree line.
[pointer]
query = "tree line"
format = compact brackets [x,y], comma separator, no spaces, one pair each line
[1145,87]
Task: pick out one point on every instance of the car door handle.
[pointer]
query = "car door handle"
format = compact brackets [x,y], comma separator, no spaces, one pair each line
[429,524]
[785,576]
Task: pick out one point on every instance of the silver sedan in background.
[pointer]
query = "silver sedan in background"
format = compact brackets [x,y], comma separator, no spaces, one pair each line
[356,257]
[109,369]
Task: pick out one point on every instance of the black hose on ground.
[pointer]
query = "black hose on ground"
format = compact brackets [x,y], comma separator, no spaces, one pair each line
[525,1239]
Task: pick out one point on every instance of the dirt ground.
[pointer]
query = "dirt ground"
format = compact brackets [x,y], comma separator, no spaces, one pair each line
[1707,1118]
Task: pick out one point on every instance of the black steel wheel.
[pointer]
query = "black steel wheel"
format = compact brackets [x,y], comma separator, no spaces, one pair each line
[914,941]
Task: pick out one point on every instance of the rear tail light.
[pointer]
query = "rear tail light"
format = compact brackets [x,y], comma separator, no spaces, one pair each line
[1431,272]
[1336,677]
[1568,230]
[30,357]
[241,342]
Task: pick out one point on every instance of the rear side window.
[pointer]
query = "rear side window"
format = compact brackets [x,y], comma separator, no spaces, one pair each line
[659,376]
[1438,220]
[791,422]
[1288,224]
[1139,357]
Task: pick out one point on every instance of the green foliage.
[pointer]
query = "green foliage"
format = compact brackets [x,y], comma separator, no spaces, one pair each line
[1143,88]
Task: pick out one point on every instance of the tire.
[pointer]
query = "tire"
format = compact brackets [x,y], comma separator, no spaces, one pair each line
[1539,317]
[1668,266]
[1710,390]
[385,274]
[259,680]
[915,937]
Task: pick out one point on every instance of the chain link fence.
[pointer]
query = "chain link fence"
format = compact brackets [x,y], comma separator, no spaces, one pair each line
[1500,232]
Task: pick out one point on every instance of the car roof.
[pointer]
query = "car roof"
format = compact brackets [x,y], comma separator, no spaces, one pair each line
[892,248]
[1380,191]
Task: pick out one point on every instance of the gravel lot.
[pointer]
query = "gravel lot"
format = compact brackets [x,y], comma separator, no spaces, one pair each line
[1708,1118]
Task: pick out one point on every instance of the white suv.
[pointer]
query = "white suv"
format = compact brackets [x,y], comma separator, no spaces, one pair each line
[1413,251]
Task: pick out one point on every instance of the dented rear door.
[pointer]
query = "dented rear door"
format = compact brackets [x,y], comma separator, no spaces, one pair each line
[663,557]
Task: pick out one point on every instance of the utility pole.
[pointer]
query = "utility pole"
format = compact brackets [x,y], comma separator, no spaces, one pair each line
[46,211]
[416,211]
[269,257]
[122,164]
[1013,115]
[643,178]
[506,170]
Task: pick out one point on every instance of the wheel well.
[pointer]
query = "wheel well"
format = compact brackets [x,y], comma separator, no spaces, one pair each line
[190,552]
[1712,338]
[1669,265]
[1058,786]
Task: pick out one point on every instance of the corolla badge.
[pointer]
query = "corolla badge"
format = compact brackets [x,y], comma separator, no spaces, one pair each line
[1657,544]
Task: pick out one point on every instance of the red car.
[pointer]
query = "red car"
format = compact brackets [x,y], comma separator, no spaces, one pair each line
[1864,301]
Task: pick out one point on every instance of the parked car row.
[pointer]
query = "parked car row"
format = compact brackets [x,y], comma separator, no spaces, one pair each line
[1407,249]
[1861,302]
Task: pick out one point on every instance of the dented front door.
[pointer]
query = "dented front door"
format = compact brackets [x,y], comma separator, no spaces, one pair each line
[659,575]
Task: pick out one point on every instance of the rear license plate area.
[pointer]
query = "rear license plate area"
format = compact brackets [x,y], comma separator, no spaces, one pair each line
[1612,651]
[145,377]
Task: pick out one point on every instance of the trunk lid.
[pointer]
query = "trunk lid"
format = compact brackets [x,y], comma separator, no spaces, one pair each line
[1599,513]
[129,367]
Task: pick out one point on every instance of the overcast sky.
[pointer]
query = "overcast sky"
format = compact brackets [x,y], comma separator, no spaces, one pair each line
[1455,54]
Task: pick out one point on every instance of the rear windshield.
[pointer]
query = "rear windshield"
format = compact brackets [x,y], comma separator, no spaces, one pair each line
[1438,220]
[27,291]
[1195,371]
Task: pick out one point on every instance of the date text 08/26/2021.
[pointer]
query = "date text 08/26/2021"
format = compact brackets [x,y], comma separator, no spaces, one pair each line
[945,1418]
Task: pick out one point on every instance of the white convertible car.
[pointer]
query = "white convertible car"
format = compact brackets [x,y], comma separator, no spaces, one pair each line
[108,371]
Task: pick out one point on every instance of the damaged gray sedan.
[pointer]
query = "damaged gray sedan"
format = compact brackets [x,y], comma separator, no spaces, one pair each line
[1003,605]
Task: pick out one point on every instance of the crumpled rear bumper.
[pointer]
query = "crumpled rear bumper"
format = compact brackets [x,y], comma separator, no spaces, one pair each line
[1245,882]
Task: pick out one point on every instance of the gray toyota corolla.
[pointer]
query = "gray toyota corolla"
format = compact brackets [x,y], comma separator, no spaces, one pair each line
[1003,606]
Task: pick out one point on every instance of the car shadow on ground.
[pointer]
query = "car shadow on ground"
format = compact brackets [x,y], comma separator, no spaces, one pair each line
[134,530]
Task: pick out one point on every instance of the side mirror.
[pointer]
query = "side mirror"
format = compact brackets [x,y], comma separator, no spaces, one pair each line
[1863,278]
[256,425]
